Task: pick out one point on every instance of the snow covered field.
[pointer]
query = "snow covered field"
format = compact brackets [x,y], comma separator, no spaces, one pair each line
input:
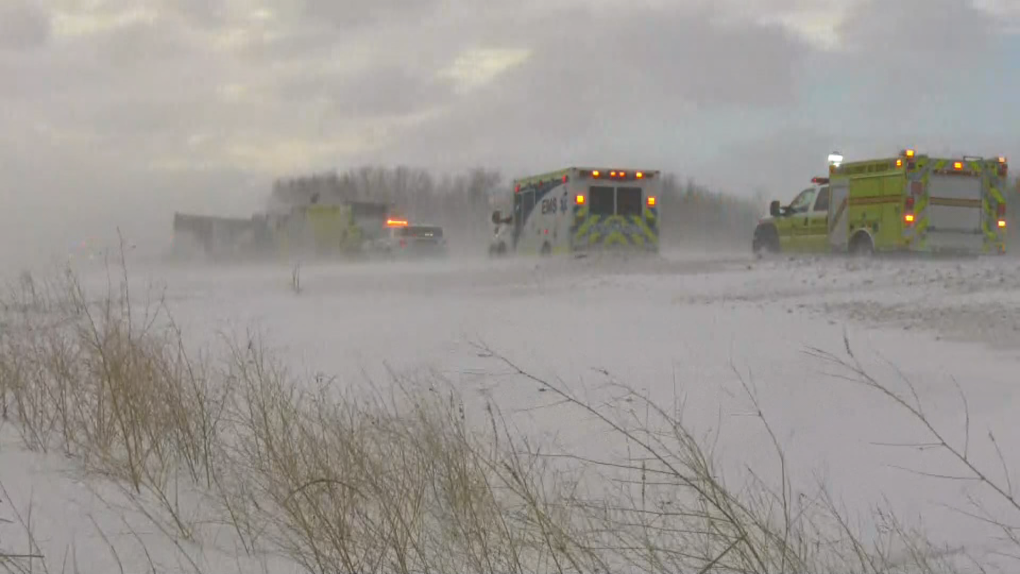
[684,327]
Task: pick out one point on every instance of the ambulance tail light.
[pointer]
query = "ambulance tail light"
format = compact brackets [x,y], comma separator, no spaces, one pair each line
[908,212]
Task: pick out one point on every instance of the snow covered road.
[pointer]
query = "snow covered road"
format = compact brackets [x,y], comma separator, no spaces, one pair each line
[679,328]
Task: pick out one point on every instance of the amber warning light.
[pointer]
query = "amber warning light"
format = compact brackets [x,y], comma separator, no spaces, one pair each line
[396,223]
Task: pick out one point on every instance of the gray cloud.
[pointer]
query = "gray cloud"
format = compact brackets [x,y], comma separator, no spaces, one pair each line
[913,32]
[23,25]
[355,14]
[918,49]
[590,79]
[382,91]
[204,14]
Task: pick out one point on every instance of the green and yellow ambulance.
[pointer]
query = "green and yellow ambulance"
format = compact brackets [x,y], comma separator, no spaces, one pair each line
[906,203]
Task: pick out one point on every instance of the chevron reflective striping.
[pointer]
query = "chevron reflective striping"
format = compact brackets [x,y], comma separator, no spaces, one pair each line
[839,214]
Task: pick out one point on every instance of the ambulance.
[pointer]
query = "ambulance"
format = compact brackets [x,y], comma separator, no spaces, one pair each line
[906,203]
[578,210]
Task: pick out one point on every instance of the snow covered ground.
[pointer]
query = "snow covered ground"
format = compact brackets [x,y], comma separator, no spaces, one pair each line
[679,327]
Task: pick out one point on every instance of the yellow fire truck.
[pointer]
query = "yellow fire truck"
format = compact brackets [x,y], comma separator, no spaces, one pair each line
[907,203]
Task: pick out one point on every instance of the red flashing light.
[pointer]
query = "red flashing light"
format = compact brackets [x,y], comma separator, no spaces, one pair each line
[612,174]
[640,175]
[819,180]
[595,173]
[899,163]
[957,165]
[517,188]
[565,179]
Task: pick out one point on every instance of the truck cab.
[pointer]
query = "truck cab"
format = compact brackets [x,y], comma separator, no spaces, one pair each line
[802,226]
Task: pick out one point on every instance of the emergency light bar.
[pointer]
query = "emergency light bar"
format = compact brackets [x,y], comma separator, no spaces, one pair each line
[835,158]
[618,174]
[396,223]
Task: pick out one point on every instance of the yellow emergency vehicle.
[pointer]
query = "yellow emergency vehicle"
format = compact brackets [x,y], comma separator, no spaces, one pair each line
[906,203]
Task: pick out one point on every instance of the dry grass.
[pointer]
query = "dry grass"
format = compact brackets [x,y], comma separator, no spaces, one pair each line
[398,482]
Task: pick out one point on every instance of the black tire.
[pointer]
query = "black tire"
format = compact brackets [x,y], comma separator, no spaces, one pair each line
[861,245]
[766,241]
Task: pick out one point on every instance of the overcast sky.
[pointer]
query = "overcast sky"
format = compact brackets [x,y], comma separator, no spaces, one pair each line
[116,112]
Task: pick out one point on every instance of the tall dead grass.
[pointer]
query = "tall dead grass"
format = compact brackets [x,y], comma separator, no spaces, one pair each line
[397,481]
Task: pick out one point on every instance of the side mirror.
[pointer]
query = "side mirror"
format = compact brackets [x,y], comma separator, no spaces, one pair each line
[496,217]
[774,209]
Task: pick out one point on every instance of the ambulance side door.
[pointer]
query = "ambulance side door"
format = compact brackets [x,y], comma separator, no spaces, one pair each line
[795,227]
[818,223]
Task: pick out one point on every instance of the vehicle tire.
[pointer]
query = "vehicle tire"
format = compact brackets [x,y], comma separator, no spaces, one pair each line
[861,245]
[766,241]
[546,249]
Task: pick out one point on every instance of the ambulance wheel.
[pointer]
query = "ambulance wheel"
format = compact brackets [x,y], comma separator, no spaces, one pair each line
[766,241]
[861,245]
